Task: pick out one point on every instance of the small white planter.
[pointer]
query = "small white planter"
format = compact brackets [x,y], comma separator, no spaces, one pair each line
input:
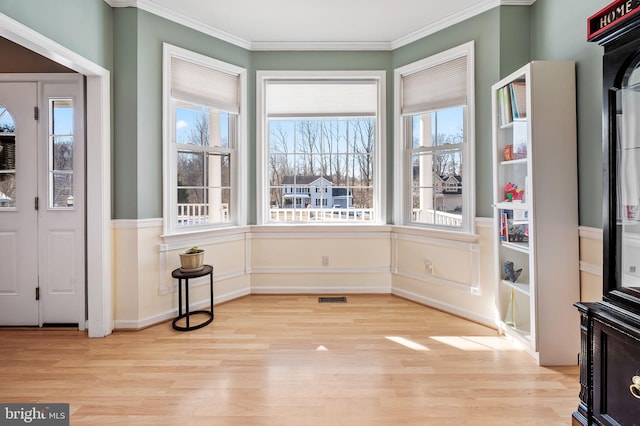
[192,262]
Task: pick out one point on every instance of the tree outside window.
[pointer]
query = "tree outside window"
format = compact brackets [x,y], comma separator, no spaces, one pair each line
[327,162]
[203,164]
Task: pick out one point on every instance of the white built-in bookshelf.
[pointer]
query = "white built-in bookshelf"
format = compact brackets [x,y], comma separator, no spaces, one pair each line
[536,210]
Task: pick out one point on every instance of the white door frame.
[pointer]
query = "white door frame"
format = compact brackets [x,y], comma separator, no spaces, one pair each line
[98,168]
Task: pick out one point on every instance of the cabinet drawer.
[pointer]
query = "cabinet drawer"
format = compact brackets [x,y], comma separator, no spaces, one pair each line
[616,362]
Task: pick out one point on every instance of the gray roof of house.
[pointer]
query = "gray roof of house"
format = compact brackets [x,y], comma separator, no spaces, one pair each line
[301,180]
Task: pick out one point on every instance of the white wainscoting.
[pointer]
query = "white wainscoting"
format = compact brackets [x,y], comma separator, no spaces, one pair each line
[291,259]
[591,252]
[428,270]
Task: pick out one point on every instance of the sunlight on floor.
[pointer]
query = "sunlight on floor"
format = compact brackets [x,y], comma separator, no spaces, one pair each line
[408,343]
[478,343]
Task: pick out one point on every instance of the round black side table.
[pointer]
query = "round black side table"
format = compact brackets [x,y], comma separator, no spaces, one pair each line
[182,275]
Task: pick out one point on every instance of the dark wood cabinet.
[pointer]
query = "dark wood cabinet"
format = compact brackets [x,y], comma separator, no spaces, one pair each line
[610,329]
[609,367]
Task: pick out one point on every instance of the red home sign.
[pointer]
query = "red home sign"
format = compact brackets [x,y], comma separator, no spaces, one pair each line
[611,16]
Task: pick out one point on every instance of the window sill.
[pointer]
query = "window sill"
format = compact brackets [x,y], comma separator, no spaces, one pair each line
[464,237]
[200,237]
[324,228]
[192,236]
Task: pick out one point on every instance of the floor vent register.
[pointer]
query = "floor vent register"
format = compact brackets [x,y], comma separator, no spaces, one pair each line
[338,299]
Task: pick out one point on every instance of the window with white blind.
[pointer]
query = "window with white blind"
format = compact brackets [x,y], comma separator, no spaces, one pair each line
[434,127]
[320,147]
[204,136]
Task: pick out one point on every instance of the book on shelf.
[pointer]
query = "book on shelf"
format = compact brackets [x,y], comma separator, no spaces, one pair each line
[514,226]
[518,94]
[512,102]
[505,111]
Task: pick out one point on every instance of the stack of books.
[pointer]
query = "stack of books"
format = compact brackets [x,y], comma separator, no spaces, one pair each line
[512,102]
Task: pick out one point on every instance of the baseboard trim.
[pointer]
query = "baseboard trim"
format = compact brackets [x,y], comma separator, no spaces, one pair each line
[320,270]
[430,279]
[444,307]
[169,315]
[321,290]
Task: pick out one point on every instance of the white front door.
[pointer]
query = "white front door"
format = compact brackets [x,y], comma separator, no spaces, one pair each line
[42,253]
[18,216]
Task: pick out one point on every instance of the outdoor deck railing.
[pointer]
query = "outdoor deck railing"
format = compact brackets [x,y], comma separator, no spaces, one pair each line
[437,217]
[321,215]
[195,214]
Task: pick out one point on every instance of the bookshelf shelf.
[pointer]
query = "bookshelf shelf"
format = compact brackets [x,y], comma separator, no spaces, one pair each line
[512,162]
[523,288]
[509,124]
[535,209]
[521,247]
[505,205]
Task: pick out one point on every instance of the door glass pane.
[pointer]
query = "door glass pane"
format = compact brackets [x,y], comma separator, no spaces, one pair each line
[7,160]
[61,153]
[629,184]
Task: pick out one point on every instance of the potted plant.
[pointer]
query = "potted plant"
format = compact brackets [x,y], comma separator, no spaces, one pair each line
[192,259]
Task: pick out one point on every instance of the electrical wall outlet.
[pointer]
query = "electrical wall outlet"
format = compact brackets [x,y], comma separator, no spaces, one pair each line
[428,265]
[325,260]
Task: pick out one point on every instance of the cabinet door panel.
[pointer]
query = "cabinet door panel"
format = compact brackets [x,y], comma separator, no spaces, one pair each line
[616,362]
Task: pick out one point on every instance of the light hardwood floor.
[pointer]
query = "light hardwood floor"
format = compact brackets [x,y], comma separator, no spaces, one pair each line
[288,360]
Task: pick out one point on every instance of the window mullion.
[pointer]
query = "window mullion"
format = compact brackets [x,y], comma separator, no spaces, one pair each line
[434,193]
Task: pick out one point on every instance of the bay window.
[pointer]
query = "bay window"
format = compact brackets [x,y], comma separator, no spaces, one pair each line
[203,142]
[321,149]
[435,141]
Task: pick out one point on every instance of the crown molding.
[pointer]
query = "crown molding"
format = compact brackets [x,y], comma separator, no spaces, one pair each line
[121,3]
[320,45]
[444,23]
[171,15]
[517,2]
[456,18]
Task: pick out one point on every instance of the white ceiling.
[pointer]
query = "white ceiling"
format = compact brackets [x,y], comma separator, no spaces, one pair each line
[314,25]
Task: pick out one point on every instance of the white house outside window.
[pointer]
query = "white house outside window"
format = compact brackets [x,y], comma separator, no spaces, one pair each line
[435,139]
[321,139]
[203,116]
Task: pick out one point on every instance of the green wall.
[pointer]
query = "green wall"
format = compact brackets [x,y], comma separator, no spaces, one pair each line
[83,26]
[484,30]
[514,38]
[128,42]
[138,103]
[143,138]
[125,115]
[559,32]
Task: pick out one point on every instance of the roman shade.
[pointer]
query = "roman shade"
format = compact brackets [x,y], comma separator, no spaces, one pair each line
[321,98]
[438,87]
[205,85]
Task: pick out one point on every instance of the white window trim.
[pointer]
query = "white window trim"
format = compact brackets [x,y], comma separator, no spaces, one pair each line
[380,187]
[401,159]
[169,161]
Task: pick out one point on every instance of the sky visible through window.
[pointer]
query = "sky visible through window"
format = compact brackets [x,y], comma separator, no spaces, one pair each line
[450,121]
[446,126]
[188,120]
